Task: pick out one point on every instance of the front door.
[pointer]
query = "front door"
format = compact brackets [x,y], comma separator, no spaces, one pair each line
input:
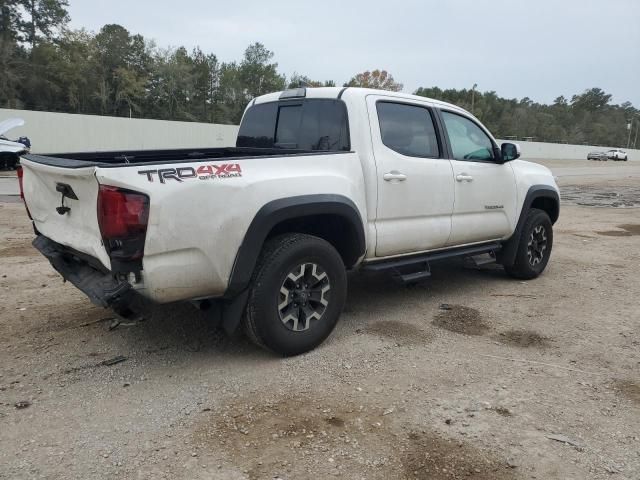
[485,189]
[415,181]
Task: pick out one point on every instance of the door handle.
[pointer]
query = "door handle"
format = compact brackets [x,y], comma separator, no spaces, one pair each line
[394,175]
[463,177]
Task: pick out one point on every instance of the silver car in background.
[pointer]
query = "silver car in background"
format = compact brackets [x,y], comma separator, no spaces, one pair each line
[602,156]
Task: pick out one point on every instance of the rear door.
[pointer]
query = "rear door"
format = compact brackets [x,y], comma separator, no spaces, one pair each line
[415,181]
[485,189]
[76,228]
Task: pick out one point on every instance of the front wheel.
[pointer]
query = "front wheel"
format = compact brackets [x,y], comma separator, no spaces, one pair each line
[297,294]
[534,249]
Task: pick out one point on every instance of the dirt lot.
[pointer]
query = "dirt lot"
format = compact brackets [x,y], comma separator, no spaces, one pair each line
[506,380]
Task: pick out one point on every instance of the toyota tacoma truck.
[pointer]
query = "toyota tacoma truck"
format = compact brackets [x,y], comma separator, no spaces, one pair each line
[321,181]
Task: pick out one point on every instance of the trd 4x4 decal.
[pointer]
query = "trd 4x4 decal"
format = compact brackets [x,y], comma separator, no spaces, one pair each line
[203,172]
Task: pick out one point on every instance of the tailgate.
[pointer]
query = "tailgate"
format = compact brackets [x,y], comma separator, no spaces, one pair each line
[77,228]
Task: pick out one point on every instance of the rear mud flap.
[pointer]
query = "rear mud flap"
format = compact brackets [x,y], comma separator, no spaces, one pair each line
[227,313]
[100,286]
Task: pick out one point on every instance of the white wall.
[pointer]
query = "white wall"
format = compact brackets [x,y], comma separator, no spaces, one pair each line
[560,151]
[63,132]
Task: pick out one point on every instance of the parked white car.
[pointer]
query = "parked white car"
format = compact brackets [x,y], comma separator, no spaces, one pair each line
[10,151]
[321,181]
[617,155]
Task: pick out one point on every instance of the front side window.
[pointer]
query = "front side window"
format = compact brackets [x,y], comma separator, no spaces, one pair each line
[408,129]
[468,141]
[310,124]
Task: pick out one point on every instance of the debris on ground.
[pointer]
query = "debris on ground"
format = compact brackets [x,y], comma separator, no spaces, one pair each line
[523,338]
[99,320]
[113,361]
[564,439]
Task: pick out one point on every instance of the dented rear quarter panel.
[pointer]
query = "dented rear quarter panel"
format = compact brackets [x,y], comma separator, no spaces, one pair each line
[197,225]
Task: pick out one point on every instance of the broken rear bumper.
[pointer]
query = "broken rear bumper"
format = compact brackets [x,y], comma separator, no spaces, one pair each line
[86,273]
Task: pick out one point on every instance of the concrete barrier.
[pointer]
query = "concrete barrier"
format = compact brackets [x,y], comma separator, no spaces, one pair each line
[63,132]
[561,151]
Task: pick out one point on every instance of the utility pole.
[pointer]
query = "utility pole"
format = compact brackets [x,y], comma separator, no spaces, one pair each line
[473,98]
[635,139]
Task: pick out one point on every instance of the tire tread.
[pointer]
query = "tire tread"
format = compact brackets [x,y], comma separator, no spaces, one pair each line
[520,268]
[270,256]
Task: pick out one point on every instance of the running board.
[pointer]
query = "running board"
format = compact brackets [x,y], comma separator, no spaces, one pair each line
[483,259]
[406,275]
[416,268]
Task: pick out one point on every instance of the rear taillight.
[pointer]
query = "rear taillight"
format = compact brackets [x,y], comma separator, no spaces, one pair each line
[123,217]
[20,175]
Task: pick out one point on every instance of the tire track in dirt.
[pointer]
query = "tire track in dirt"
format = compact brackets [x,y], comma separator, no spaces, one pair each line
[305,436]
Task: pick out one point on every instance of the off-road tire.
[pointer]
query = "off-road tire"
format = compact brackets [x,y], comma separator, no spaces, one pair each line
[263,322]
[537,224]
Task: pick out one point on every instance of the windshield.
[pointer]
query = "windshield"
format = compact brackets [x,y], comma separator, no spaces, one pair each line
[310,124]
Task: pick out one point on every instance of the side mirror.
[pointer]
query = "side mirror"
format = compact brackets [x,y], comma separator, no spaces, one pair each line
[509,151]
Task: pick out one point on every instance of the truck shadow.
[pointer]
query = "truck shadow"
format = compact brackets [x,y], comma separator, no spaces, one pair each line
[183,330]
[181,327]
[368,291]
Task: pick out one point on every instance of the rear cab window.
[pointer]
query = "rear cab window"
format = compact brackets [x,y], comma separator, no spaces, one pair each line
[309,124]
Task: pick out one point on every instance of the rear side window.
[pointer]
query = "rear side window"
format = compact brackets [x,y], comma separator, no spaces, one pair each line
[313,124]
[408,129]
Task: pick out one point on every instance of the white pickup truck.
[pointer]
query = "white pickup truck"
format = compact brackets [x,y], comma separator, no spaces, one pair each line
[321,181]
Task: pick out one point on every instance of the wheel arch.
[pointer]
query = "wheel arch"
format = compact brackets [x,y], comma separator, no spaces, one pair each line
[334,218]
[543,197]
[547,203]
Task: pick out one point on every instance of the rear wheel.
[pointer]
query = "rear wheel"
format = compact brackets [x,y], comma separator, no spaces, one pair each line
[297,293]
[534,249]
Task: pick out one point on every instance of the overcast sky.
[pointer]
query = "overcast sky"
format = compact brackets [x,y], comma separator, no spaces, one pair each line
[535,48]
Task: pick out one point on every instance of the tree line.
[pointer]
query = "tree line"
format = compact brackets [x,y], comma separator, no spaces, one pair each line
[586,118]
[46,66]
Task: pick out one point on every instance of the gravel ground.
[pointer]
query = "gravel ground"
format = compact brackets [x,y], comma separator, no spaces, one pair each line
[468,375]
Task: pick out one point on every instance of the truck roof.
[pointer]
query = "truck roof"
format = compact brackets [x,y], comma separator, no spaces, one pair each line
[336,92]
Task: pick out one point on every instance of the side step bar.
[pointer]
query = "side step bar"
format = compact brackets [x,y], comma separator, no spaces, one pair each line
[416,267]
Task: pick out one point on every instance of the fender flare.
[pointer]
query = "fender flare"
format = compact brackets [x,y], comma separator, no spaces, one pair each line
[278,211]
[510,247]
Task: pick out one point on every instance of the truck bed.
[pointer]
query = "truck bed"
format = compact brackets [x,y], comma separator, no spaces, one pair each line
[142,157]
